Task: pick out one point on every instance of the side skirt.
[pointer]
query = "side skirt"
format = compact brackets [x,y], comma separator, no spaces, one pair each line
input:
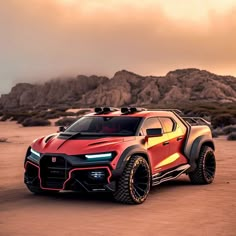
[169,175]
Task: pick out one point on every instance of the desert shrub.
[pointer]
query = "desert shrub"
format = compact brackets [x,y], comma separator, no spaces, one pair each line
[50,115]
[35,122]
[65,121]
[222,120]
[41,114]
[232,136]
[20,120]
[217,132]
[214,109]
[200,111]
[6,116]
[47,115]
[19,116]
[61,108]
[197,111]
[67,114]
[32,112]
[53,114]
[41,107]
[229,129]
[83,112]
[3,140]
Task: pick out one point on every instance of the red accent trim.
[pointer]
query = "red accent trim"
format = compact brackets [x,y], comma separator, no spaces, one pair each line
[82,168]
[88,168]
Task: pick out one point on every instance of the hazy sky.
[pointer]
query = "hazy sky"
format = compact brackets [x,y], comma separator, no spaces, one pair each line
[41,39]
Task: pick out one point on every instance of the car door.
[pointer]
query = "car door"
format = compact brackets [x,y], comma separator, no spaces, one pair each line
[175,139]
[157,147]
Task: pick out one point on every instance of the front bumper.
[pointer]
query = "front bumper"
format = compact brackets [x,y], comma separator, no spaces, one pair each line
[62,172]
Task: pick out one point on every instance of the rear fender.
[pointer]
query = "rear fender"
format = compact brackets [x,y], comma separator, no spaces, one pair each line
[196,148]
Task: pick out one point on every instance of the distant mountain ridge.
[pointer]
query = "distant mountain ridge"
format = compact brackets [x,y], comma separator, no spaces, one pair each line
[126,88]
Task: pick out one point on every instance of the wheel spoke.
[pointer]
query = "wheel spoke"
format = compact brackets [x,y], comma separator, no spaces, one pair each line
[136,192]
[210,166]
[209,173]
[141,175]
[137,187]
[140,181]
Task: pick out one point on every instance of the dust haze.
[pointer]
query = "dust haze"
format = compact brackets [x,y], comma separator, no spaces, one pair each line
[44,39]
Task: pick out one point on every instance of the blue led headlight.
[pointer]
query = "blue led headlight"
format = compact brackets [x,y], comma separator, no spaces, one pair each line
[100,156]
[34,155]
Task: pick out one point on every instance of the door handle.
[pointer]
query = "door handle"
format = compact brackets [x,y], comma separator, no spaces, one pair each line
[179,138]
[165,143]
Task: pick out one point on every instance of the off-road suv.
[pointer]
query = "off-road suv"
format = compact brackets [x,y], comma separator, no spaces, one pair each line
[123,151]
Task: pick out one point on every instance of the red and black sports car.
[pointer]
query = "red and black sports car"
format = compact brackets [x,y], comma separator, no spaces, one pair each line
[121,151]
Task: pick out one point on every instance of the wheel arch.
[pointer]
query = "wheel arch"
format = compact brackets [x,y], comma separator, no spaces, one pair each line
[209,143]
[142,154]
[128,153]
[197,144]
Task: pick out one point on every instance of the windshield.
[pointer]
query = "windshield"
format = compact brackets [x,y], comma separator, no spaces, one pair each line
[98,125]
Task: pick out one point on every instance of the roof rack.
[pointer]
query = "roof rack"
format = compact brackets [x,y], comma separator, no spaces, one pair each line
[179,112]
[196,120]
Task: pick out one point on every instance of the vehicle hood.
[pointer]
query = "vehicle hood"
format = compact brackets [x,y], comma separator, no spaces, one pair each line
[53,144]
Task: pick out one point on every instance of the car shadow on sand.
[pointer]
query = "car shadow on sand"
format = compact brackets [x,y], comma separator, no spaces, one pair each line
[106,198]
[69,197]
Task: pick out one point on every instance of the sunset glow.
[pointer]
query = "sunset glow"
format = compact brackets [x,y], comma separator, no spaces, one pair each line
[68,2]
[50,38]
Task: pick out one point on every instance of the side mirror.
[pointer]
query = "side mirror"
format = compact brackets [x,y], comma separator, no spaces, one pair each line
[61,129]
[158,132]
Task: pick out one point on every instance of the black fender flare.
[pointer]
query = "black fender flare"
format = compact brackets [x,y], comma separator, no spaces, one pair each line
[125,156]
[196,148]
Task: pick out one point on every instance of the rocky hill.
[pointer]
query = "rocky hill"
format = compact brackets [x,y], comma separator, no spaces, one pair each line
[126,88]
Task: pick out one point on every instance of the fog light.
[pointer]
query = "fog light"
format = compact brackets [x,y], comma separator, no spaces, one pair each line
[97,174]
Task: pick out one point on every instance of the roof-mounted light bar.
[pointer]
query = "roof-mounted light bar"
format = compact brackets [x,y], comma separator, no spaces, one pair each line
[104,110]
[137,109]
[98,110]
[126,110]
[130,110]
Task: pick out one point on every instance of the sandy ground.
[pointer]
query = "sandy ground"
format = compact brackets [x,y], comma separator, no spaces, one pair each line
[175,208]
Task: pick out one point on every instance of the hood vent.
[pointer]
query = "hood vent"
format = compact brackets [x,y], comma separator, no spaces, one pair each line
[49,137]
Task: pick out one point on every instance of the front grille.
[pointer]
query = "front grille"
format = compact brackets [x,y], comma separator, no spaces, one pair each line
[88,180]
[31,175]
[54,170]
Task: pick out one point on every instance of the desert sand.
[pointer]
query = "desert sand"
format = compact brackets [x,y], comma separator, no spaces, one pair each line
[175,208]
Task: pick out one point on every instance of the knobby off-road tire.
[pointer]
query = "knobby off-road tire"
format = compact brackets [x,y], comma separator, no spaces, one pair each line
[134,185]
[39,191]
[206,166]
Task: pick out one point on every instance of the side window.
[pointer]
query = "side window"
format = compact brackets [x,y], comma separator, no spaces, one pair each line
[167,123]
[150,123]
